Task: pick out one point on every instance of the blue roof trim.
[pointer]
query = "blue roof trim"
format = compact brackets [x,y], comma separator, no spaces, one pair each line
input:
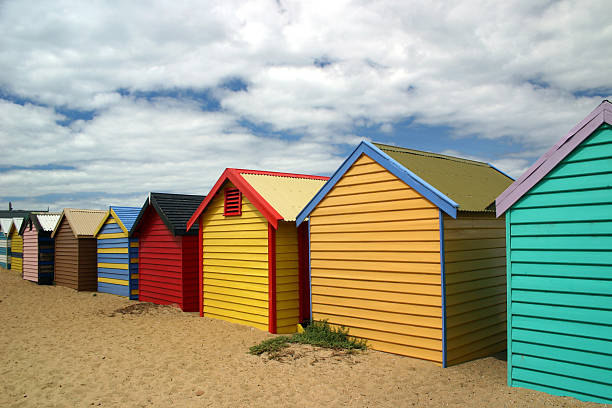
[425,189]
[443,285]
[502,172]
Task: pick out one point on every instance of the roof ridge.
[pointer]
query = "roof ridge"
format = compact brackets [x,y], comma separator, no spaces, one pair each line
[280,174]
[175,194]
[400,149]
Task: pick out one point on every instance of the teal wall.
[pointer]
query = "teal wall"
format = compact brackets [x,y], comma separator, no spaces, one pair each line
[559,257]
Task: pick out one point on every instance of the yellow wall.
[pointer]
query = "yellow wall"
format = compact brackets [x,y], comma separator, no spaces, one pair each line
[287,294]
[375,262]
[475,259]
[235,264]
[16,246]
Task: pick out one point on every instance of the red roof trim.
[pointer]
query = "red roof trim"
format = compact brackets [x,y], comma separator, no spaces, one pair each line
[255,198]
[234,175]
[208,199]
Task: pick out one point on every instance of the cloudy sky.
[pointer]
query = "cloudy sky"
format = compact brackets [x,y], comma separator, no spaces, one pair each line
[104,101]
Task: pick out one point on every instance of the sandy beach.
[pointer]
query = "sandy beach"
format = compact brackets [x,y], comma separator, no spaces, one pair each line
[62,348]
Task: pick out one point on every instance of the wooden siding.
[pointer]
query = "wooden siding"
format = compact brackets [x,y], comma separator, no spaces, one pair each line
[88,264]
[559,263]
[16,251]
[287,285]
[191,285]
[235,264]
[30,254]
[475,269]
[46,254]
[117,261]
[75,260]
[4,251]
[66,256]
[375,262]
[162,277]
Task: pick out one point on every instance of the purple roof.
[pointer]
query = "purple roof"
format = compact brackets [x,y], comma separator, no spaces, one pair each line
[601,114]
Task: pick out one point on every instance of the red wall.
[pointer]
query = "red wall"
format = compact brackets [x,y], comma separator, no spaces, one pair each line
[167,265]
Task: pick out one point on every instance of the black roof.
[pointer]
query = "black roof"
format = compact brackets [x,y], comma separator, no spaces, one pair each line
[23,214]
[175,211]
[18,213]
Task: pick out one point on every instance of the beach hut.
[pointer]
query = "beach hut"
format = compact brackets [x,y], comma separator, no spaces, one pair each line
[76,248]
[253,260]
[167,252]
[38,247]
[5,242]
[117,253]
[12,221]
[406,252]
[16,241]
[559,254]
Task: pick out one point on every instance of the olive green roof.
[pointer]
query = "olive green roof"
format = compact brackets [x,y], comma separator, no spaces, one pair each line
[472,184]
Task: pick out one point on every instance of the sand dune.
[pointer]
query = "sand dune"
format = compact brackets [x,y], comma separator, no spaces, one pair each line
[61,348]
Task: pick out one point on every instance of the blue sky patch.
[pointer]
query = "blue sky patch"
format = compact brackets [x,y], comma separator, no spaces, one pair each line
[45,167]
[204,98]
[322,62]
[234,84]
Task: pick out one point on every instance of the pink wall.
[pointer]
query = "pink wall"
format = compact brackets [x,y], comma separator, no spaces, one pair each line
[30,254]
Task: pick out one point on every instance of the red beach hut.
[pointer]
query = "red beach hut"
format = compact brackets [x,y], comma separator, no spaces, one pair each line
[168,254]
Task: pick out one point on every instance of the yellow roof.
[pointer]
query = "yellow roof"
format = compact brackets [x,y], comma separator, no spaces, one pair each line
[82,222]
[287,195]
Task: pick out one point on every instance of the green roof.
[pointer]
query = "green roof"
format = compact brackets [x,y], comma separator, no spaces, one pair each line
[472,184]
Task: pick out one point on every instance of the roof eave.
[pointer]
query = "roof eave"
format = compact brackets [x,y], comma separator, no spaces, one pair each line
[58,222]
[428,191]
[549,160]
[254,197]
[99,227]
[136,224]
[118,220]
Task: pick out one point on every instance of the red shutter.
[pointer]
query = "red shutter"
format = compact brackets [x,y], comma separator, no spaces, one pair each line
[233,202]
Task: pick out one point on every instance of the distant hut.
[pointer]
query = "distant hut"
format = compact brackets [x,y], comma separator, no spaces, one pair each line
[38,247]
[559,265]
[406,252]
[117,253]
[5,242]
[16,241]
[167,253]
[76,248]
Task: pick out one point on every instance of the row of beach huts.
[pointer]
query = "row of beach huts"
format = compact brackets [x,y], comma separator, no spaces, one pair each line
[424,255]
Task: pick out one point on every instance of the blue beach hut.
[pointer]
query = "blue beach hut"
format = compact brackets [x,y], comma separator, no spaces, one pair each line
[117,253]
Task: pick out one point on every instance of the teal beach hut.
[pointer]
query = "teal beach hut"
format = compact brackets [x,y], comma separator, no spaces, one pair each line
[559,265]
[117,253]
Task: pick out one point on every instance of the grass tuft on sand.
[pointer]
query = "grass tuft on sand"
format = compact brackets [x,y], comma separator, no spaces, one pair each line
[317,333]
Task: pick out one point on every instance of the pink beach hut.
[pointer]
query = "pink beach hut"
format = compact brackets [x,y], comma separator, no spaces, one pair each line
[38,248]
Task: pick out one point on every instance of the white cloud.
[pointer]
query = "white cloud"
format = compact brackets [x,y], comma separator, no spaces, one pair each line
[506,72]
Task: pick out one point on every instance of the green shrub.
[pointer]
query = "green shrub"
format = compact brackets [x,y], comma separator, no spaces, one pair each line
[320,333]
[272,345]
[317,333]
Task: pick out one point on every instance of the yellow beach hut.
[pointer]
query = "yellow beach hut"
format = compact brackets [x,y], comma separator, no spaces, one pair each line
[406,252]
[253,259]
[16,245]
